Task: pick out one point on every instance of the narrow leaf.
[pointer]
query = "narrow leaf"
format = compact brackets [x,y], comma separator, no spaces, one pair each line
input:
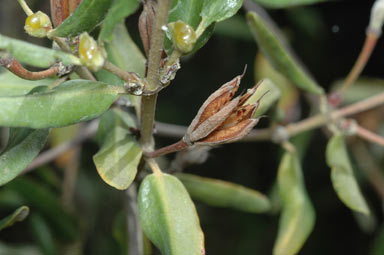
[24,145]
[84,19]
[277,51]
[119,154]
[168,216]
[12,85]
[218,10]
[69,103]
[35,55]
[286,3]
[117,13]
[224,194]
[342,176]
[19,215]
[298,216]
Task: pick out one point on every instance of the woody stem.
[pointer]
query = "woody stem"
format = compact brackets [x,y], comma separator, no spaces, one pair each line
[178,146]
[15,67]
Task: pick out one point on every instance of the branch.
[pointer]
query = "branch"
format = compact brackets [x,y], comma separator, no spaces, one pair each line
[148,103]
[369,136]
[176,131]
[15,67]
[125,76]
[135,235]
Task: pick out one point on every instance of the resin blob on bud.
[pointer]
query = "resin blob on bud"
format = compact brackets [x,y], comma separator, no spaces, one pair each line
[89,52]
[38,24]
[183,36]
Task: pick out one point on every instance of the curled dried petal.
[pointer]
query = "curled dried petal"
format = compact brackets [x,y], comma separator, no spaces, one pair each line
[229,134]
[215,102]
[146,23]
[238,115]
[210,124]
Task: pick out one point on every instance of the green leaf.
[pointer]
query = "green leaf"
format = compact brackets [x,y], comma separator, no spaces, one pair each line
[298,216]
[42,234]
[117,13]
[218,10]
[168,216]
[69,103]
[24,145]
[18,248]
[35,55]
[187,11]
[120,154]
[39,197]
[277,51]
[224,194]
[286,3]
[342,176]
[267,94]
[12,85]
[123,52]
[84,19]
[18,215]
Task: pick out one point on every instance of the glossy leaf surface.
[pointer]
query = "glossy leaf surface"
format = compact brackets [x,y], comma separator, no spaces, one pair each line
[218,10]
[24,145]
[224,194]
[189,12]
[342,176]
[120,9]
[298,216]
[35,55]
[286,3]
[70,102]
[168,216]
[84,19]
[120,154]
[279,54]
[18,215]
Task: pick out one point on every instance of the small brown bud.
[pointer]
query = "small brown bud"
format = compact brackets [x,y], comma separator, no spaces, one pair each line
[146,23]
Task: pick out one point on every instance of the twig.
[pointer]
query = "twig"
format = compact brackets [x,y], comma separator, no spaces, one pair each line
[135,235]
[154,166]
[176,131]
[25,7]
[82,71]
[125,76]
[178,146]
[148,105]
[15,67]
[53,153]
[70,177]
[369,136]
[369,45]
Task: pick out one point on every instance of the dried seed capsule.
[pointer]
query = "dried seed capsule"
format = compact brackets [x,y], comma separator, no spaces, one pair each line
[38,24]
[183,36]
[89,52]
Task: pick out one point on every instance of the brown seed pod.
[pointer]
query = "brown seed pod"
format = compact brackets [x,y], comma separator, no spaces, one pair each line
[61,9]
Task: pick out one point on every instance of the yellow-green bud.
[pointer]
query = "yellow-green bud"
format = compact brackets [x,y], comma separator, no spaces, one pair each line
[183,36]
[89,52]
[38,24]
